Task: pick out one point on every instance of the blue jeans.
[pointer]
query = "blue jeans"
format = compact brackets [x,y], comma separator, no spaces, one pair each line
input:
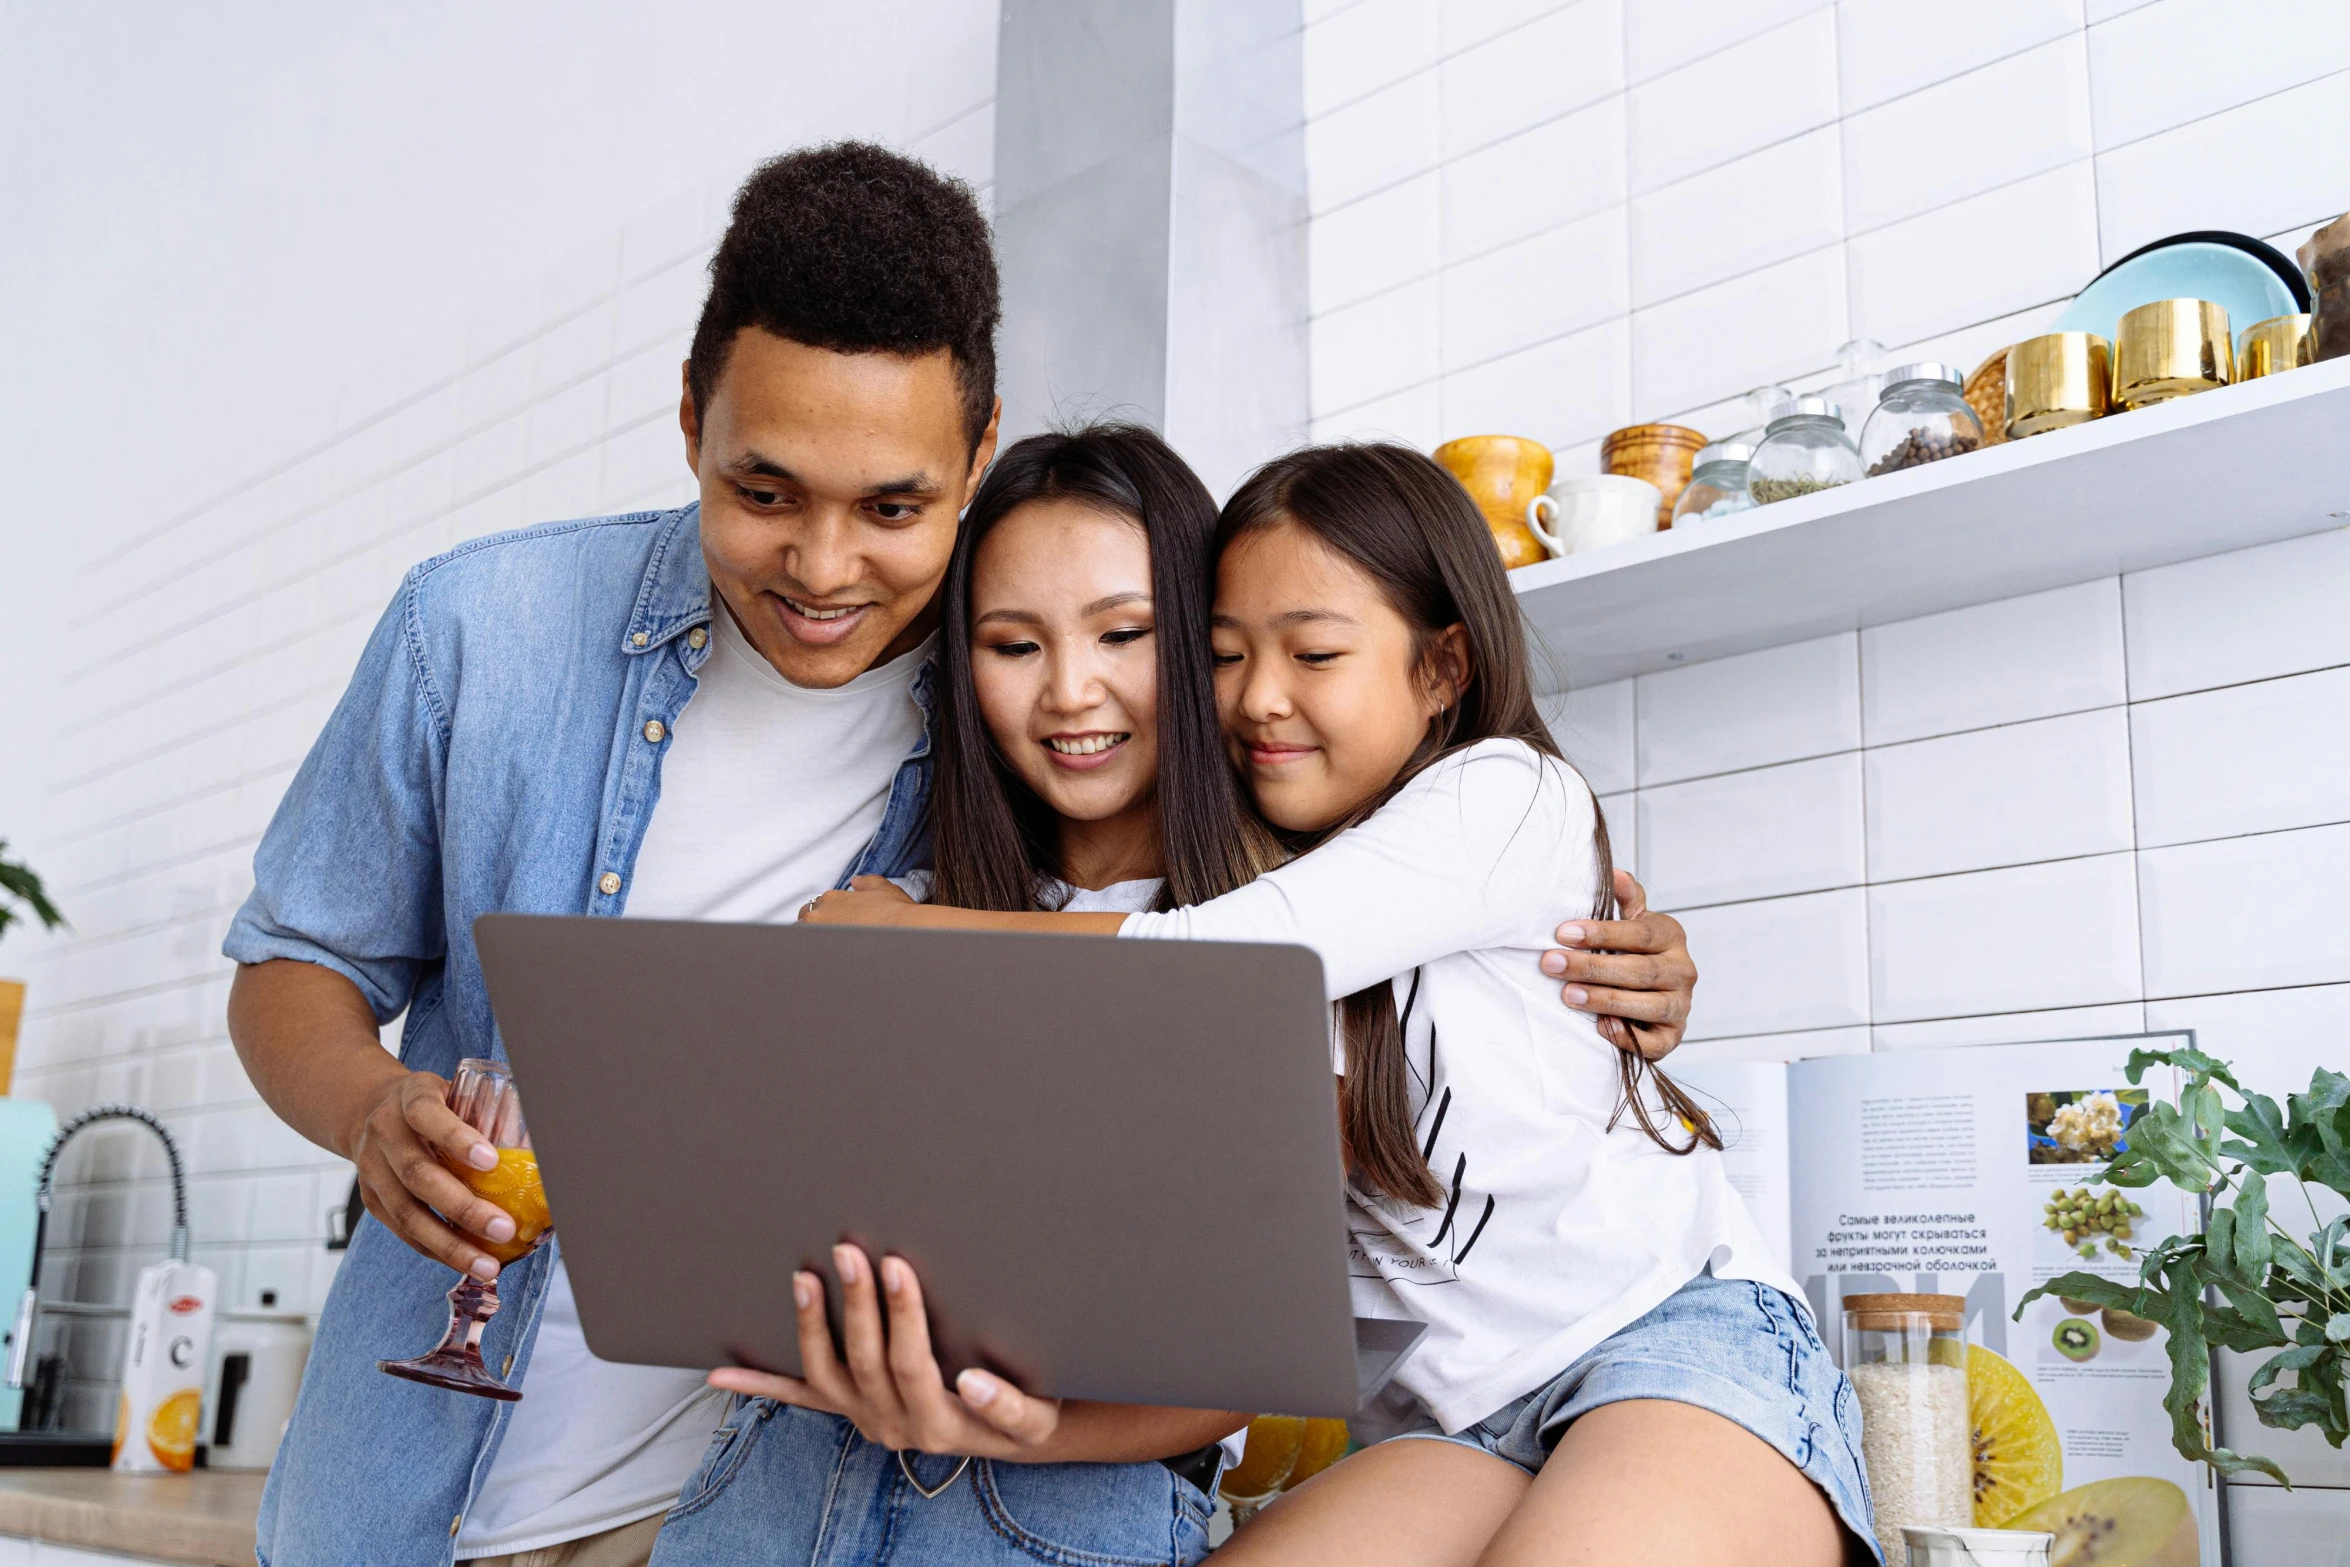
[1742,1350]
[784,1485]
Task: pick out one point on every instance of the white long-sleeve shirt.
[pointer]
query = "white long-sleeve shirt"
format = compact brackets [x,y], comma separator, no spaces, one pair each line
[1556,1229]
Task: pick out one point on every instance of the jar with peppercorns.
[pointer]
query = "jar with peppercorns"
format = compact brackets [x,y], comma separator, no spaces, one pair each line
[1922,417]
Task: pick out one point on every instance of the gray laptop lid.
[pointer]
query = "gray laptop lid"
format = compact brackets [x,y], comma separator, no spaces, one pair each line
[1114,1164]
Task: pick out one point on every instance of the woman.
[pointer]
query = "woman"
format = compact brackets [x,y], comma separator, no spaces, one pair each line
[1081,768]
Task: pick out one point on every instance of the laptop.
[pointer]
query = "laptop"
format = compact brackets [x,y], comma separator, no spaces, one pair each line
[1114,1165]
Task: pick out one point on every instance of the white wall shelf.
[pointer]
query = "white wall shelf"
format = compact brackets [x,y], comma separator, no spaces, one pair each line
[2244,465]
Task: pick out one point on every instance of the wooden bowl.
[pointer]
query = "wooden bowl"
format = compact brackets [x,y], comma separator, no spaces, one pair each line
[1662,454]
[1986,394]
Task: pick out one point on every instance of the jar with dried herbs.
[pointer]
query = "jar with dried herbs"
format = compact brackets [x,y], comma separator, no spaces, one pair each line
[1804,450]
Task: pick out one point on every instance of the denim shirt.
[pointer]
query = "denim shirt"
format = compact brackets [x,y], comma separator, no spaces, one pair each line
[491,753]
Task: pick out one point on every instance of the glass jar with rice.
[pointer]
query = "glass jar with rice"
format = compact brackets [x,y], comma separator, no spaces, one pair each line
[1907,1358]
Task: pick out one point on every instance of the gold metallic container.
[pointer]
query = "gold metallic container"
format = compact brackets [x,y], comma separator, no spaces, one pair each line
[2269,347]
[2171,348]
[2053,382]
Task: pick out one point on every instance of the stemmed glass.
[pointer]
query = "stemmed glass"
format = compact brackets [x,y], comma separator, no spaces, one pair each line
[482,1096]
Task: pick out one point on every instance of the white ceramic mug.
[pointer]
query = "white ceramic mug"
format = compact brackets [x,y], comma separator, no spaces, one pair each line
[1594,512]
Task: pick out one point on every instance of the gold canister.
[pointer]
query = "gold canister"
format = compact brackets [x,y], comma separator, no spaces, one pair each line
[1502,473]
[2269,347]
[2053,382]
[2171,348]
[1663,454]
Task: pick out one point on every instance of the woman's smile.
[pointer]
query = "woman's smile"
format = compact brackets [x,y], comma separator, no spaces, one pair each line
[1085,752]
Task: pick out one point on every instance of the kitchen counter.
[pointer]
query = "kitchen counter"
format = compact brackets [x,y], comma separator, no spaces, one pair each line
[202,1517]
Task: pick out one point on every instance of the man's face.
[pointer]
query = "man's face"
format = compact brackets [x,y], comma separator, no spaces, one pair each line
[831,484]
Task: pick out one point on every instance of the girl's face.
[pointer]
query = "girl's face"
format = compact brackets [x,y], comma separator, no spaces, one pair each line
[1063,658]
[1321,684]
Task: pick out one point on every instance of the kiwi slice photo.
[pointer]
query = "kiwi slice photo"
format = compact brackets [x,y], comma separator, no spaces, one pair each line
[2075,1339]
[2124,1325]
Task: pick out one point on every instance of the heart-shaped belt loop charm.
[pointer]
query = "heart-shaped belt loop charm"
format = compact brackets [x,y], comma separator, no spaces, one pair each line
[931,1493]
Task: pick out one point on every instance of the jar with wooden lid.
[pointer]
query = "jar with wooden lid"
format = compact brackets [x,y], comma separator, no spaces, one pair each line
[1907,1358]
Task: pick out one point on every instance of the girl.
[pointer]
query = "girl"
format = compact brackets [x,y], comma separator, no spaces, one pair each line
[1604,1322]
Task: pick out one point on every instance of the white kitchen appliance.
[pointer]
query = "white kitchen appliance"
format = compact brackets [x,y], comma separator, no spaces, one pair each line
[257,1360]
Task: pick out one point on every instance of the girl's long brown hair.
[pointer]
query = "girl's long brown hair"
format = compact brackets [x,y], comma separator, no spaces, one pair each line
[1409,525]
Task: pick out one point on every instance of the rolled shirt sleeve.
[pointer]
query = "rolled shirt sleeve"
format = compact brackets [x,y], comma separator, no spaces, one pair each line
[348,876]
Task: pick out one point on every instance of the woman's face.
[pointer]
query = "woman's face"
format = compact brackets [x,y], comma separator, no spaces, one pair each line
[1063,657]
[1321,685]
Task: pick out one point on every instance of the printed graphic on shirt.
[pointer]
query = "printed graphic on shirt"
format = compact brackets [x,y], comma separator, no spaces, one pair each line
[1396,1241]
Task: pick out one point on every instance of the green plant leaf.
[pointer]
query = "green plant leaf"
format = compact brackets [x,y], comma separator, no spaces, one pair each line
[2099,1290]
[2254,1245]
[2190,1370]
[18,884]
[2261,1125]
[2257,1313]
[2219,1241]
[2186,1058]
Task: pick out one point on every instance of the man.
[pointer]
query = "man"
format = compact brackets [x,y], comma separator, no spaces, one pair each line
[514,739]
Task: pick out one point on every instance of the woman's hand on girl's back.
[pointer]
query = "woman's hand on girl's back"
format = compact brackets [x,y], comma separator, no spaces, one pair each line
[1632,973]
[891,1387]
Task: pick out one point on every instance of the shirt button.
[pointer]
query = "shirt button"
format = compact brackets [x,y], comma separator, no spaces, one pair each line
[639,639]
[696,638]
[608,883]
[654,731]
[453,1523]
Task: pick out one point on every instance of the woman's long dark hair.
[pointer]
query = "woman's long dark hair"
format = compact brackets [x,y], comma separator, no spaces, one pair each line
[996,842]
[1409,525]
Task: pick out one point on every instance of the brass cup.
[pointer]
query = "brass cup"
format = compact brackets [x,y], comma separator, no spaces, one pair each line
[2171,348]
[2057,381]
[1502,473]
[2270,347]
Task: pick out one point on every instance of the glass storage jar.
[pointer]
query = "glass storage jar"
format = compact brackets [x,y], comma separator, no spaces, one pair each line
[1717,484]
[1804,449]
[1907,1358]
[1923,417]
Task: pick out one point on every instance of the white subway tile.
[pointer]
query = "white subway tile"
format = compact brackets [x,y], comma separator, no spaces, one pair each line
[2247,913]
[1800,1045]
[1414,416]
[1381,141]
[2276,1038]
[1750,95]
[1376,347]
[2262,757]
[661,236]
[2062,934]
[1997,663]
[1567,390]
[2247,615]
[1535,290]
[1782,202]
[1593,726]
[2021,245]
[1568,60]
[1762,833]
[2096,11]
[1558,172]
[2183,60]
[1373,245]
[1779,705]
[1364,48]
[2018,117]
[2269,1527]
[1471,22]
[1780,965]
[277,1278]
[2270,164]
[1664,35]
[2045,790]
[2014,1028]
[1892,47]
[1766,326]
[963,148]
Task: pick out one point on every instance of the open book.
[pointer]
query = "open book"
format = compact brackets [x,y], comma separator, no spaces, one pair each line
[1969,1172]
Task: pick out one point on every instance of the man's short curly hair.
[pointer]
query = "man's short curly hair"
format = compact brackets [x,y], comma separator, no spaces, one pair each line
[857,249]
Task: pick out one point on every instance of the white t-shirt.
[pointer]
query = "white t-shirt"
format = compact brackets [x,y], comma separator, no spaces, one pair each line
[1556,1229]
[768,792]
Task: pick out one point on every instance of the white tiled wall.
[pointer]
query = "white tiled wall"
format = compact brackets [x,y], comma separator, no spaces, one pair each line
[1556,217]
[225,635]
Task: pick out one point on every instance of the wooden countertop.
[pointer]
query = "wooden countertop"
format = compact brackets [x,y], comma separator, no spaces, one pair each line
[203,1517]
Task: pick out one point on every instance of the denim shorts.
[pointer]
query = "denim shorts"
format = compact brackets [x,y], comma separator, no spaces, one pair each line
[1740,1349]
[783,1485]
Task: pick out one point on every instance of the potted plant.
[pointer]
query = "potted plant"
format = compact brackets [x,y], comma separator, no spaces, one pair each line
[20,892]
[2247,1283]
